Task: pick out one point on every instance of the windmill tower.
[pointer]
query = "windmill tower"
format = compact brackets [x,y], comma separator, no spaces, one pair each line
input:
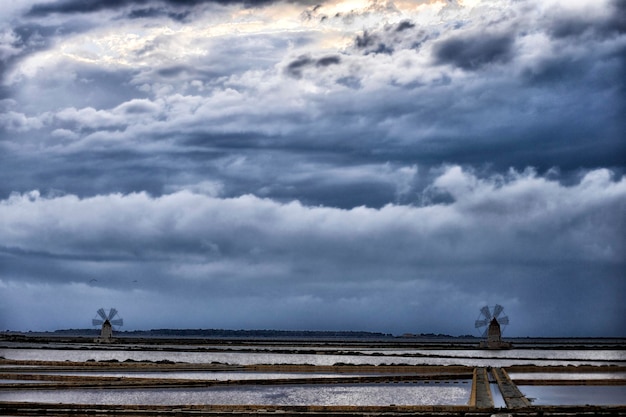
[107,320]
[490,318]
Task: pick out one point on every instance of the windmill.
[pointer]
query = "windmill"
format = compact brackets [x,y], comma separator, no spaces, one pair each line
[107,320]
[494,322]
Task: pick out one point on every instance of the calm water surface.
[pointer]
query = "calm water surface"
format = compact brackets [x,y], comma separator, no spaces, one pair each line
[576,376]
[419,393]
[575,395]
[209,376]
[443,357]
[348,394]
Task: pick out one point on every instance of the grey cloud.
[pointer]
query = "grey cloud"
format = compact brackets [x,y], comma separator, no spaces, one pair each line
[365,40]
[25,39]
[475,51]
[523,223]
[617,22]
[296,67]
[75,6]
[476,203]
[404,35]
[311,13]
[565,26]
[570,27]
[371,43]
[34,36]
[356,134]
[152,12]
[91,6]
[404,25]
[555,69]
[328,60]
[173,71]
[350,82]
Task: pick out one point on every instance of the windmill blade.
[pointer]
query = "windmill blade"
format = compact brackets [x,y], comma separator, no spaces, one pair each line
[96,322]
[102,314]
[480,323]
[485,332]
[117,322]
[486,313]
[112,313]
[497,310]
[504,320]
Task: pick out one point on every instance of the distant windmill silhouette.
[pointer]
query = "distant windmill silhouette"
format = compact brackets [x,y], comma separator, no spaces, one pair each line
[490,318]
[487,314]
[107,320]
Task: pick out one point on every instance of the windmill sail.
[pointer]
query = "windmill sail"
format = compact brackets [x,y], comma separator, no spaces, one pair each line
[102,314]
[107,316]
[497,310]
[481,323]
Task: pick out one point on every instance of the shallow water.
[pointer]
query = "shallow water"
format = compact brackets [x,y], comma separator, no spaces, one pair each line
[336,394]
[540,354]
[209,376]
[418,393]
[498,401]
[576,376]
[575,395]
[465,357]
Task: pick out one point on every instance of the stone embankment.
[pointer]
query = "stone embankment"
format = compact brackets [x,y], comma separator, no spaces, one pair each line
[39,409]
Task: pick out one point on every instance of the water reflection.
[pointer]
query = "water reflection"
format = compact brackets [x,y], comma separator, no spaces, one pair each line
[336,394]
[470,358]
[575,394]
[209,376]
[575,376]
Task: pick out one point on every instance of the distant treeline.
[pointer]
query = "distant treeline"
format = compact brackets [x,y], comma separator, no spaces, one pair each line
[256,333]
[231,333]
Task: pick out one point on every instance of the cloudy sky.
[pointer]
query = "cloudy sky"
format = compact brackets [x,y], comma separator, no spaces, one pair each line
[374,165]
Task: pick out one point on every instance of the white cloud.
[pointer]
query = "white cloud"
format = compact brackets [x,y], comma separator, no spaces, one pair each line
[522,217]
[20,122]
[498,235]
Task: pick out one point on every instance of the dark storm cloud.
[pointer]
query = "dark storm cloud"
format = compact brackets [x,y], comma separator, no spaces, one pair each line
[565,26]
[404,25]
[178,10]
[34,36]
[92,6]
[151,13]
[328,60]
[259,165]
[79,6]
[473,52]
[371,43]
[297,66]
[548,237]
[402,36]
[29,38]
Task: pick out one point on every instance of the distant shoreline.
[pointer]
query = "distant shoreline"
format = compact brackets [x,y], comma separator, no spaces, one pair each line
[309,339]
